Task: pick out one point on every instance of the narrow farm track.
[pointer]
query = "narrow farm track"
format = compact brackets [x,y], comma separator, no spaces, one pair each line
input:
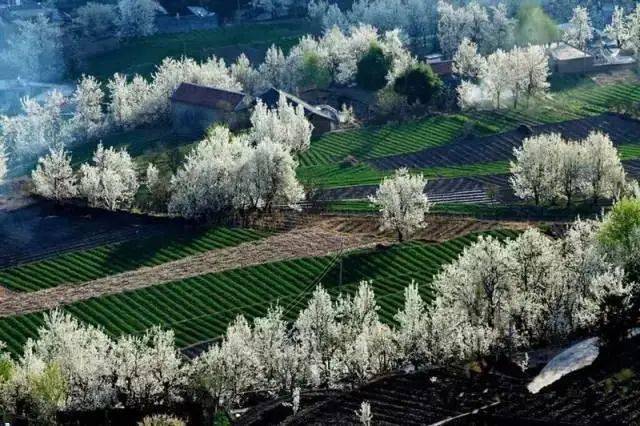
[311,241]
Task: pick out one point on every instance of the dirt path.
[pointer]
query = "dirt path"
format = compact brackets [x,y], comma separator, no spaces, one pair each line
[302,242]
[324,235]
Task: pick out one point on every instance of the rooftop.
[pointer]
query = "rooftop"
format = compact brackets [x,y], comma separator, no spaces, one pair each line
[208,97]
[272,96]
[565,52]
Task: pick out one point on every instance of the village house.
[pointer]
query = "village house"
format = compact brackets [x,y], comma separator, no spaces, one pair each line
[566,59]
[195,108]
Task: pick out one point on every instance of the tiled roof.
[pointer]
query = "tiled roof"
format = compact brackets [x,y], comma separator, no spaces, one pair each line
[208,97]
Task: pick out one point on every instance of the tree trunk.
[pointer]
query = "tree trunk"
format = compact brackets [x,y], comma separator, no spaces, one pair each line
[400,236]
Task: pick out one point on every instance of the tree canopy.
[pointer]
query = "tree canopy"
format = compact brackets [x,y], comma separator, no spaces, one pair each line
[419,83]
[373,69]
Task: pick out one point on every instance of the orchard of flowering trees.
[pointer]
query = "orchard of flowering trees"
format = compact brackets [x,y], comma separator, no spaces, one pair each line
[225,172]
[501,76]
[424,22]
[548,168]
[497,297]
[137,101]
[249,173]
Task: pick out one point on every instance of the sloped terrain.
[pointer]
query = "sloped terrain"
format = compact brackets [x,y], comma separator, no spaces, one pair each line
[41,230]
[200,306]
[604,393]
[500,146]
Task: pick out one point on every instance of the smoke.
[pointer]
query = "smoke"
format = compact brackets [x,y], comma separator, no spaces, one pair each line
[535,26]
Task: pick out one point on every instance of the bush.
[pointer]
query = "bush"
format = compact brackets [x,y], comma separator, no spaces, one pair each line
[373,69]
[314,73]
[620,236]
[621,225]
[161,420]
[419,83]
[96,19]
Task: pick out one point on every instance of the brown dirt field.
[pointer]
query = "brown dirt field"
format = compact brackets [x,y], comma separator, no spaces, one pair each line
[324,235]
[438,228]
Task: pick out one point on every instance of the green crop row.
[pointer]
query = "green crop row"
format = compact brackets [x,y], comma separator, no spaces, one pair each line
[85,265]
[383,141]
[200,308]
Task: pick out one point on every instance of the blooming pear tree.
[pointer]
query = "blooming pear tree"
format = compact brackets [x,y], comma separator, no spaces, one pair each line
[34,50]
[201,186]
[111,182]
[224,172]
[286,125]
[402,203]
[136,18]
[88,117]
[533,172]
[413,326]
[604,174]
[617,28]
[548,167]
[580,30]
[3,161]
[53,177]
[40,127]
[266,178]
[467,63]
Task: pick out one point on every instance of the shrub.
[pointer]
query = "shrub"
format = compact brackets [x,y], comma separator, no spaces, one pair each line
[419,83]
[373,69]
[161,420]
[621,225]
[313,72]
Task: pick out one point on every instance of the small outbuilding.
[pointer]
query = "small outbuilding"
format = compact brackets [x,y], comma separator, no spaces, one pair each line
[195,108]
[567,59]
[323,117]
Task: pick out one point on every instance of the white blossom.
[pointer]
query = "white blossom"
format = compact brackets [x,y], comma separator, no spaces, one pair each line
[148,368]
[604,174]
[467,63]
[34,50]
[286,125]
[53,177]
[111,181]
[96,19]
[580,30]
[88,98]
[40,127]
[136,18]
[402,203]
[617,29]
[412,326]
[533,171]
[365,417]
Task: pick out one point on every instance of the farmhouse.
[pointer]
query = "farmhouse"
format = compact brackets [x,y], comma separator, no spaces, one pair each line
[566,59]
[323,117]
[194,108]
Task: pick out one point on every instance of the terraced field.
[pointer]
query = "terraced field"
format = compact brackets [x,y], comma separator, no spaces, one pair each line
[500,147]
[339,176]
[86,265]
[386,140]
[433,146]
[199,308]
